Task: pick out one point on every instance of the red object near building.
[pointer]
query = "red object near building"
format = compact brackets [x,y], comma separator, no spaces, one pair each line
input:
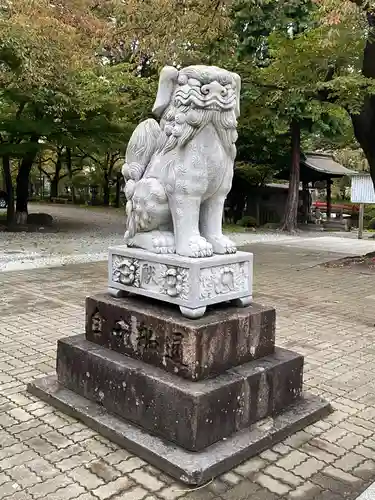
[346,207]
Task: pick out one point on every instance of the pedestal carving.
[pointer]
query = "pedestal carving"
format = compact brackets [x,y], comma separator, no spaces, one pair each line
[193,284]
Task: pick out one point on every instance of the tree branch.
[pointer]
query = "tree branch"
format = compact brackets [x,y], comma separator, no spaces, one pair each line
[41,160]
[44,172]
[90,156]
[323,94]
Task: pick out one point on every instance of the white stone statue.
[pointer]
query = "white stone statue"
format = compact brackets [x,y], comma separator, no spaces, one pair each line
[179,172]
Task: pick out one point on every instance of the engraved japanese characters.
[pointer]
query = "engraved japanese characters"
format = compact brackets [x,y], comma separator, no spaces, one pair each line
[178,172]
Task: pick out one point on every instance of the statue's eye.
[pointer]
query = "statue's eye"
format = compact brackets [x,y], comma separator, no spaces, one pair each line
[182,80]
[194,83]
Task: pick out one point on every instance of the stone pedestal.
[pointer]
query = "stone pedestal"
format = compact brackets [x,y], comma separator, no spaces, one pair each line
[193,415]
[191,283]
[193,397]
[159,335]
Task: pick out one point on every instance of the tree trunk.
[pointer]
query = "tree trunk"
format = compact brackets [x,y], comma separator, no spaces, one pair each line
[118,190]
[106,177]
[22,188]
[291,209]
[9,189]
[364,122]
[54,193]
[106,190]
[69,168]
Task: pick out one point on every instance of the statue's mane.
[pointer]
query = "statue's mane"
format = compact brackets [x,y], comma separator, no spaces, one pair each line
[180,125]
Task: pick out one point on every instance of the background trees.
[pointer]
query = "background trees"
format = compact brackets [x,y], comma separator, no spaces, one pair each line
[77,76]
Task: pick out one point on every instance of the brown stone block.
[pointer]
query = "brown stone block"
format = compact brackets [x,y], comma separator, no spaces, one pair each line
[193,415]
[193,468]
[270,384]
[194,349]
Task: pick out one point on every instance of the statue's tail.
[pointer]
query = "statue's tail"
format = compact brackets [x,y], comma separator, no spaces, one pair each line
[142,145]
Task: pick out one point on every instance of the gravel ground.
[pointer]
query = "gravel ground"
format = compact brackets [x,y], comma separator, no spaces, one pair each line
[84,235]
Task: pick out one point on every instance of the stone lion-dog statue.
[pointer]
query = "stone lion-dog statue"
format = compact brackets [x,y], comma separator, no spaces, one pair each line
[178,172]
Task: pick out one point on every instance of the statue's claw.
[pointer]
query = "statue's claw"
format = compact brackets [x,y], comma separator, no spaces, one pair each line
[164,242]
[221,244]
[196,246]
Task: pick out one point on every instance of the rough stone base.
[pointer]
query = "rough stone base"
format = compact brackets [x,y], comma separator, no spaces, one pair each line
[193,415]
[157,334]
[193,468]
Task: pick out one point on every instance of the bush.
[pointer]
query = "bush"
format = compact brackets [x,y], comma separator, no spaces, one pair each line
[247,221]
[369,213]
[371,224]
[40,219]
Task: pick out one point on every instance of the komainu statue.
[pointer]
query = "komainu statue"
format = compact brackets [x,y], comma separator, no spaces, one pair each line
[178,172]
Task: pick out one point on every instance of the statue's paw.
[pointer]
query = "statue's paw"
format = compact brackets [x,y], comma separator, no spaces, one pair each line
[222,244]
[164,243]
[196,246]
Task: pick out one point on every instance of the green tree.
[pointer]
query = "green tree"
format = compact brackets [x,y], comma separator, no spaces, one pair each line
[296,64]
[364,119]
[56,90]
[41,48]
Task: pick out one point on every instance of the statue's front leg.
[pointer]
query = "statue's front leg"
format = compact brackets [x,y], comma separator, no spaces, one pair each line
[185,214]
[211,218]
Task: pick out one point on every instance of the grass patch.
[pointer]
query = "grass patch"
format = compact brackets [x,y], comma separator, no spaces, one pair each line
[234,228]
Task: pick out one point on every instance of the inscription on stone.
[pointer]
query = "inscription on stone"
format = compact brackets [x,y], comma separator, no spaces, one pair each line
[173,347]
[97,324]
[149,274]
[146,339]
[121,334]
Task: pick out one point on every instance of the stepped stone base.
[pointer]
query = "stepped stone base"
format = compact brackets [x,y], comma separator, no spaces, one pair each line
[193,468]
[194,415]
[158,334]
[194,397]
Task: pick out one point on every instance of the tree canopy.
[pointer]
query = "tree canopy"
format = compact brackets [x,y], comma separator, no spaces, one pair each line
[77,76]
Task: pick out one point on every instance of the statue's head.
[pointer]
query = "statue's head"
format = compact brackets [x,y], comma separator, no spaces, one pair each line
[200,87]
[189,99]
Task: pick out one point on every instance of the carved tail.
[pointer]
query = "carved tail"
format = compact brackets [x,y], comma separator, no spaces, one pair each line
[141,147]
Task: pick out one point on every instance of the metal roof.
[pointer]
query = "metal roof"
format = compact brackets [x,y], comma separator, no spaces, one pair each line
[284,185]
[325,164]
[362,189]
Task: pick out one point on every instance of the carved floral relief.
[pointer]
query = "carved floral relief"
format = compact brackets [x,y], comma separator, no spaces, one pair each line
[125,271]
[159,278]
[175,282]
[224,280]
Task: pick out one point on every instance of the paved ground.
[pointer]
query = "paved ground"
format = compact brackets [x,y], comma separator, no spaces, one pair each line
[325,314]
[85,234]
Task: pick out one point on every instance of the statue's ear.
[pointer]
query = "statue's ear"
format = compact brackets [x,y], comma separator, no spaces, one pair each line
[237,82]
[167,81]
